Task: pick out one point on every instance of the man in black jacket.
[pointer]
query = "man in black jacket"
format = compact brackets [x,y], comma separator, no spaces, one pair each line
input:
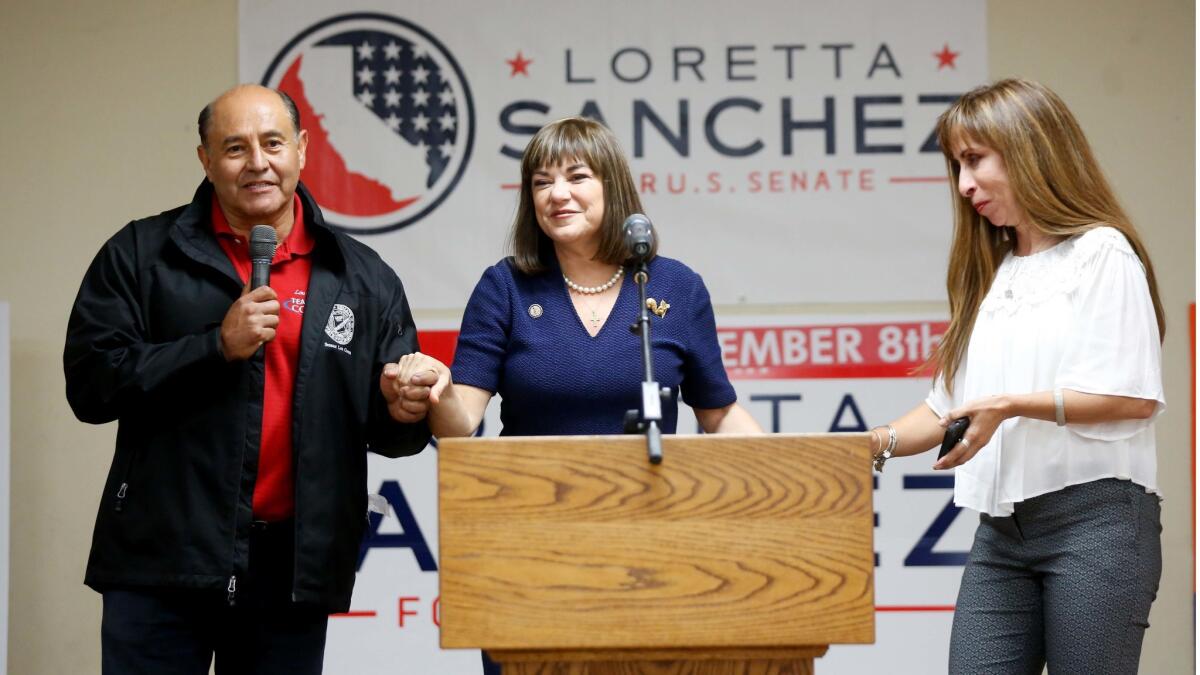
[236,503]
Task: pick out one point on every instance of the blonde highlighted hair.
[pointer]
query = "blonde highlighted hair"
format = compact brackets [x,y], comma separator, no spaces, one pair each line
[1054,178]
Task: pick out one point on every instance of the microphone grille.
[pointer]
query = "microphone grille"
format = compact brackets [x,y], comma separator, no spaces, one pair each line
[262,242]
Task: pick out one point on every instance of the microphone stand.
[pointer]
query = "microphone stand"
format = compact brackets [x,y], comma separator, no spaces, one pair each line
[648,418]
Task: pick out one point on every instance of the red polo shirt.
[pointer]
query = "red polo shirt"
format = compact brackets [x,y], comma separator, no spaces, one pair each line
[274,487]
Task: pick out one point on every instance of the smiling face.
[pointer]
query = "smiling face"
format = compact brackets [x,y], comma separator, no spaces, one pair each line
[253,154]
[983,181]
[568,200]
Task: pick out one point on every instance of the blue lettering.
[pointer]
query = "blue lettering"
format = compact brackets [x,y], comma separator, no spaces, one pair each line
[775,400]
[880,63]
[931,142]
[507,123]
[645,59]
[710,127]
[861,124]
[923,555]
[571,79]
[693,64]
[411,537]
[847,405]
[643,113]
[790,125]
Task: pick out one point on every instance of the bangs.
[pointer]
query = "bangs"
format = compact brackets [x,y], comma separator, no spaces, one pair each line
[969,120]
[568,140]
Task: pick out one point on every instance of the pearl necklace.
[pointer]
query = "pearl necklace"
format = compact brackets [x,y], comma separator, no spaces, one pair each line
[594,290]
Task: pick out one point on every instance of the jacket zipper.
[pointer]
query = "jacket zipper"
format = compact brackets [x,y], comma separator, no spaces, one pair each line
[232,588]
[120,504]
[123,489]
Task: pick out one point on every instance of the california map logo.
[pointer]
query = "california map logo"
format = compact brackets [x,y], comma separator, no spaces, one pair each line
[389,114]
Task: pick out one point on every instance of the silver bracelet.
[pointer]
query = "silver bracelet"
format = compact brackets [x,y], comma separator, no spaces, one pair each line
[886,454]
[1060,415]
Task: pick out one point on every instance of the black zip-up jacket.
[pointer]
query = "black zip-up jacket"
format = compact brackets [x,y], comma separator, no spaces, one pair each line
[143,348]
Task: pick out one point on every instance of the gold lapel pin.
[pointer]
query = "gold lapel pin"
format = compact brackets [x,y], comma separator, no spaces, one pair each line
[659,308]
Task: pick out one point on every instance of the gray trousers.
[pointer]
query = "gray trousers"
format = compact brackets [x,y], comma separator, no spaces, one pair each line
[1066,582]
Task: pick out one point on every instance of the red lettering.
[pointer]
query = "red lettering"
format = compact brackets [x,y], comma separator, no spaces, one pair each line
[647,183]
[845,174]
[671,183]
[403,612]
[714,182]
[776,181]
[866,180]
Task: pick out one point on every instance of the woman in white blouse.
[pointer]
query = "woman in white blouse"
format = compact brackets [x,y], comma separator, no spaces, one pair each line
[1054,354]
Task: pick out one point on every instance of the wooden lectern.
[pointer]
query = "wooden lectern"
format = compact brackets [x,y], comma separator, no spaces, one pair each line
[573,555]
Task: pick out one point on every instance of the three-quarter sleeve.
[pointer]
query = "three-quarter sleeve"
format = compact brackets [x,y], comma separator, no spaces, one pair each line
[484,335]
[939,399]
[1114,346]
[705,383]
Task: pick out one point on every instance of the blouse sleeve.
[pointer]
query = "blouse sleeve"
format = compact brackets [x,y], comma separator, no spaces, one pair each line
[939,400]
[483,336]
[705,383]
[1113,347]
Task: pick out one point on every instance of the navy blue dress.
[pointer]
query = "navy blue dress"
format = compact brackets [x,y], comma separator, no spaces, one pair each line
[522,339]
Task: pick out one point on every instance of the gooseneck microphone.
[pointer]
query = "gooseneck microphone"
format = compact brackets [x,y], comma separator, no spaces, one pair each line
[639,237]
[262,252]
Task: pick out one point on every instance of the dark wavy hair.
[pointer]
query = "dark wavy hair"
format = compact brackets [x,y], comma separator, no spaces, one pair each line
[583,140]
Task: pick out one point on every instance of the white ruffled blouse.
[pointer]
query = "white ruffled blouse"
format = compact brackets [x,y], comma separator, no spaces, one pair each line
[1076,316]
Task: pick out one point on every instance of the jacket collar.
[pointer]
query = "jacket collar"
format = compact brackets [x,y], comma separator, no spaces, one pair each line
[193,234]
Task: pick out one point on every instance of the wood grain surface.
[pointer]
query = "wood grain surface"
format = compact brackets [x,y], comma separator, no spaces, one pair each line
[580,543]
[789,661]
[753,667]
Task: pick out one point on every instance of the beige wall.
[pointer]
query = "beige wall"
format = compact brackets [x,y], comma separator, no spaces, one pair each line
[98,128]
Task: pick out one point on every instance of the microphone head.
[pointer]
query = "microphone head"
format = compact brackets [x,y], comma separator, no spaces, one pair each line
[262,243]
[639,236]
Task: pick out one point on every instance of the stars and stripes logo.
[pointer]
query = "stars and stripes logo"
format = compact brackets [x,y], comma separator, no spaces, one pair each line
[389,116]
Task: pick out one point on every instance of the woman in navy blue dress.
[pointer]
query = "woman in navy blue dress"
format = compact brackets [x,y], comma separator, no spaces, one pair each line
[548,327]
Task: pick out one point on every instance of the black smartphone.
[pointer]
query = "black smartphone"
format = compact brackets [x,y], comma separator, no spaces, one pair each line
[954,434]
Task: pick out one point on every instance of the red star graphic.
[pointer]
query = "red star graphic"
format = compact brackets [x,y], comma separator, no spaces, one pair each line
[946,57]
[519,65]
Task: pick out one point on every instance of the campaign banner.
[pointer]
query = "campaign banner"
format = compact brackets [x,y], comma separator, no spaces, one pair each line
[783,150]
[789,384]
[777,146]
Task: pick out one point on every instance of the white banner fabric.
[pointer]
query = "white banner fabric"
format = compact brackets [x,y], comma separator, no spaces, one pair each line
[783,151]
[776,145]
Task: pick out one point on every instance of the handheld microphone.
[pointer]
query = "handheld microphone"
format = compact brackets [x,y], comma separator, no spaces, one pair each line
[639,237]
[262,252]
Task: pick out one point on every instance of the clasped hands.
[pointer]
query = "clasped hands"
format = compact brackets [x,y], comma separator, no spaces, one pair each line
[409,386]
[413,385]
